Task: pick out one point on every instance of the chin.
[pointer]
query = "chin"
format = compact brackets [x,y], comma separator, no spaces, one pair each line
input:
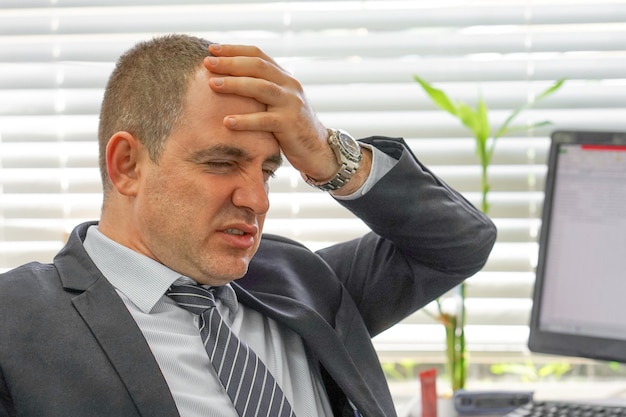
[231,274]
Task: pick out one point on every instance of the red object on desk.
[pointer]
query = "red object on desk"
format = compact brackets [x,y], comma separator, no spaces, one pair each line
[428,381]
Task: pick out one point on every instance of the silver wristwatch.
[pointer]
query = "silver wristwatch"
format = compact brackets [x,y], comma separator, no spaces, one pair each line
[348,153]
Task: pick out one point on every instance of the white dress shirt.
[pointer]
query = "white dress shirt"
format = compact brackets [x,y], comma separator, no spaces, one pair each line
[173,337]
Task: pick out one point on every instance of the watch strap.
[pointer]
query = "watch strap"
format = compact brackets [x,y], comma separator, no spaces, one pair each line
[348,162]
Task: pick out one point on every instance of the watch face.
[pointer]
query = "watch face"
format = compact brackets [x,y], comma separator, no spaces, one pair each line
[349,144]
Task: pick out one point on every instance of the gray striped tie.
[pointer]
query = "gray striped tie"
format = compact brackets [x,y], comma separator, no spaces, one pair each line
[249,384]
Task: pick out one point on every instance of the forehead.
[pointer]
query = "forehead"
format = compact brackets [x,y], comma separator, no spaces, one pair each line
[200,98]
[201,125]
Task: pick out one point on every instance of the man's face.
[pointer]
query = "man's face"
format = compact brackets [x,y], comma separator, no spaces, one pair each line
[201,209]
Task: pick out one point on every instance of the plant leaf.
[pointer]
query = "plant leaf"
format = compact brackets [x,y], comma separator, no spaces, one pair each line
[527,127]
[551,89]
[469,118]
[483,120]
[505,126]
[438,96]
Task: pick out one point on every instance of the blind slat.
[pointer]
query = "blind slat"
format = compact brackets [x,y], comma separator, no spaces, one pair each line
[297,17]
[372,44]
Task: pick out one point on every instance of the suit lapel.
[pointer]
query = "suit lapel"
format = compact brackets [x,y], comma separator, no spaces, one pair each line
[115,330]
[321,339]
[124,345]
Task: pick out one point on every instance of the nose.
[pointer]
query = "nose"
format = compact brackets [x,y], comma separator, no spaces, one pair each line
[252,193]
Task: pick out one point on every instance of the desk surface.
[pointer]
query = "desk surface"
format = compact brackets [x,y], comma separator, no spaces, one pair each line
[407,395]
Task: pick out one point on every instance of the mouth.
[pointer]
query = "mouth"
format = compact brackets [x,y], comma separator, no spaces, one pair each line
[235,232]
[241,236]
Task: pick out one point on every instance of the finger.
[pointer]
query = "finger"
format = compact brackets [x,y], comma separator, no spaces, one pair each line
[244,66]
[244,60]
[260,121]
[261,90]
[226,50]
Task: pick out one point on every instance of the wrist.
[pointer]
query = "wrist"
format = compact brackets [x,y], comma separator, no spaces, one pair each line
[348,156]
[359,178]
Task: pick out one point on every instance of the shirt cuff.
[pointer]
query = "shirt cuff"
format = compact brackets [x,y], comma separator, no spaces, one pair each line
[381,165]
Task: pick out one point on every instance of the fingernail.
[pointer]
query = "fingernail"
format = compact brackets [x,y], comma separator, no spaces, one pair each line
[230,121]
[218,81]
[212,60]
[215,46]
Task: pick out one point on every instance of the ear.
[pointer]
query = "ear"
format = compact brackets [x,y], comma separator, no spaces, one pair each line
[123,156]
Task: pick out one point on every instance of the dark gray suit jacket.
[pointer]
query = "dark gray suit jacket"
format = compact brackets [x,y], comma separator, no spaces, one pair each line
[69,347]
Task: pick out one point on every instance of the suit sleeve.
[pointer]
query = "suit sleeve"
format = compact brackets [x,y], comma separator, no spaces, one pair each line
[426,238]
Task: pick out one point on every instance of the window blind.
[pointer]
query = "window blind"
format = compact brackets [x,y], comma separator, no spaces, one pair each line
[356,60]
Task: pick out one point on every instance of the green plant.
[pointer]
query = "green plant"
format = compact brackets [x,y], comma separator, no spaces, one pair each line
[402,370]
[529,372]
[477,121]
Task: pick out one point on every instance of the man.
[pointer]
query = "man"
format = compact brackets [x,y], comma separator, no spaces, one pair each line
[190,135]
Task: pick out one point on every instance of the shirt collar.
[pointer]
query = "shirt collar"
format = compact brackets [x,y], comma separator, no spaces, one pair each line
[142,279]
[224,296]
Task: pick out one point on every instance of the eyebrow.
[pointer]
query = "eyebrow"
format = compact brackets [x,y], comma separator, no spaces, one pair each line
[232,151]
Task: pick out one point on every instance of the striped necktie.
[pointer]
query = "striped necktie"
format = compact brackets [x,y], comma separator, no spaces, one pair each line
[249,384]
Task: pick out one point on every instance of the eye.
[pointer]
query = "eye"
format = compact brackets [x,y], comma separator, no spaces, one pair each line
[269,173]
[219,165]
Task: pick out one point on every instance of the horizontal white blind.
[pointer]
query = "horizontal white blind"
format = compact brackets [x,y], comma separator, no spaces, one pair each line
[356,60]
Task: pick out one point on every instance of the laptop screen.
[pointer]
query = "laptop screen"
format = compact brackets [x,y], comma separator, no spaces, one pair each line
[579,303]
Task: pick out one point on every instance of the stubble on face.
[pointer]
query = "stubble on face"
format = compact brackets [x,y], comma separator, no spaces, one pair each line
[186,204]
[185,237]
